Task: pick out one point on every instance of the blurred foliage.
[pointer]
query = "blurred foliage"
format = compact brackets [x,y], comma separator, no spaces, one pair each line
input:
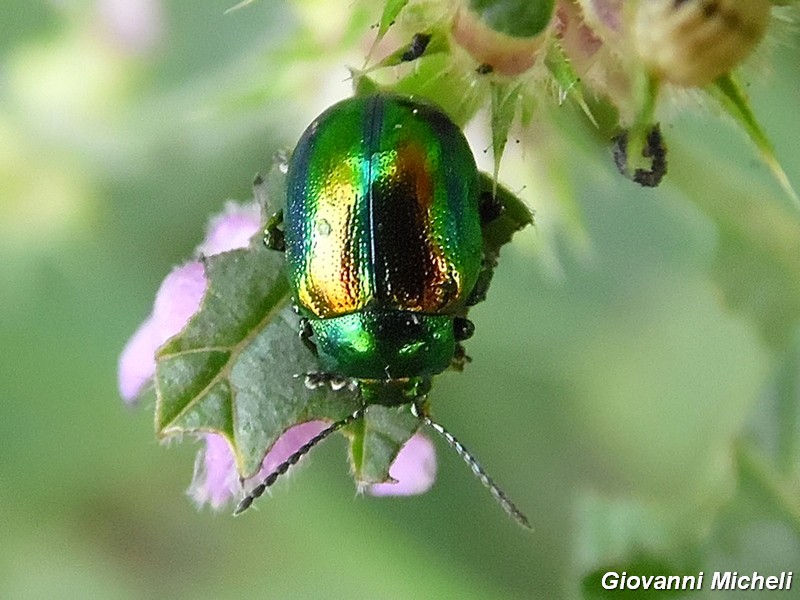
[634,383]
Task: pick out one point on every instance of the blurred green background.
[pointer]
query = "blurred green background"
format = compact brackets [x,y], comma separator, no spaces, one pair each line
[615,393]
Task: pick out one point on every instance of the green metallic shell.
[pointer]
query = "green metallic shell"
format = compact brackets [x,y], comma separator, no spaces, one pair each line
[385,344]
[382,218]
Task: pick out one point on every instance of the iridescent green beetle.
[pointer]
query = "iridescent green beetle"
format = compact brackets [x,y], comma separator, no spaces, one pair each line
[385,253]
[383,236]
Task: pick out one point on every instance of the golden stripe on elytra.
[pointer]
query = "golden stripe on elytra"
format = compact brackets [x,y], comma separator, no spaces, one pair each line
[330,284]
[337,278]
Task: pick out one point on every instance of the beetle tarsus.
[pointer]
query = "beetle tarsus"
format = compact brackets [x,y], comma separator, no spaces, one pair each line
[335,383]
[460,358]
[273,235]
[463,328]
[481,289]
[490,207]
[305,334]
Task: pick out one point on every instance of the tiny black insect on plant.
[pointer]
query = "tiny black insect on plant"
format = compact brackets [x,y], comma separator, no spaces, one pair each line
[654,149]
[383,231]
[419,43]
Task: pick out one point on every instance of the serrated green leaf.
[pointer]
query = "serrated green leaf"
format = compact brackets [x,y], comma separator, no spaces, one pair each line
[515,216]
[377,438]
[269,191]
[232,369]
[730,95]
[434,78]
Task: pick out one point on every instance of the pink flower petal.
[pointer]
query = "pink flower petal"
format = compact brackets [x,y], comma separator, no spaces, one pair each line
[179,298]
[232,229]
[414,469]
[288,444]
[216,480]
[137,363]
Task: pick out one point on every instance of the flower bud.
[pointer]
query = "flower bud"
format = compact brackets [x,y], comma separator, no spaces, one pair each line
[692,42]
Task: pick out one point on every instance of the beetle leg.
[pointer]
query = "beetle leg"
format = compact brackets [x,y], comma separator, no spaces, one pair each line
[305,334]
[317,379]
[460,358]
[478,293]
[418,389]
[490,207]
[463,328]
[273,236]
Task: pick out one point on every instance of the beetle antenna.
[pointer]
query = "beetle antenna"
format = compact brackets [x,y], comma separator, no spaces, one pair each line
[505,502]
[282,468]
